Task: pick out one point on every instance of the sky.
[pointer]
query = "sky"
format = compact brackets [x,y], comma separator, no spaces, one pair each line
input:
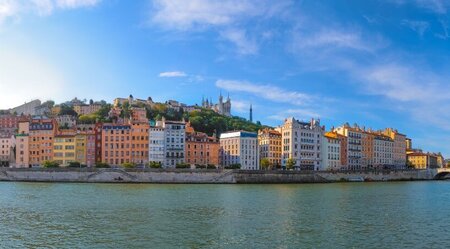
[378,63]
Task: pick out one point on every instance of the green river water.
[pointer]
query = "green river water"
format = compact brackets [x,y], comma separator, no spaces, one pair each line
[341,215]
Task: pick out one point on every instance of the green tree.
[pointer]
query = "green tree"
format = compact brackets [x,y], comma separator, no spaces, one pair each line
[290,163]
[67,110]
[183,166]
[50,164]
[102,165]
[265,163]
[154,165]
[75,164]
[129,165]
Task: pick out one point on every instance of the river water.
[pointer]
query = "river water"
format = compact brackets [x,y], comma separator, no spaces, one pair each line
[341,215]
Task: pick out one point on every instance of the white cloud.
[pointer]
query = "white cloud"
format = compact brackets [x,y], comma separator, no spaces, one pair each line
[418,26]
[15,8]
[244,44]
[172,74]
[24,77]
[268,92]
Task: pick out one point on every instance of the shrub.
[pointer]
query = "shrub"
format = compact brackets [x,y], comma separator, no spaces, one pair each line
[183,166]
[50,164]
[102,165]
[154,165]
[129,165]
[233,166]
[75,165]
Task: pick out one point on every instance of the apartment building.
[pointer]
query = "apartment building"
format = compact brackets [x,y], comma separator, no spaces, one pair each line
[201,148]
[400,146]
[354,145]
[383,152]
[269,142]
[41,137]
[302,142]
[7,144]
[331,151]
[240,147]
[140,143]
[116,144]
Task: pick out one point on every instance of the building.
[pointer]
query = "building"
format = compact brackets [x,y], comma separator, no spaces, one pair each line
[175,141]
[354,145]
[132,101]
[66,121]
[332,151]
[156,142]
[201,149]
[367,149]
[222,107]
[116,144]
[83,109]
[401,144]
[302,142]
[269,142]
[140,143]
[383,152]
[64,148]
[240,147]
[22,145]
[7,144]
[9,121]
[139,115]
[85,150]
[420,160]
[41,137]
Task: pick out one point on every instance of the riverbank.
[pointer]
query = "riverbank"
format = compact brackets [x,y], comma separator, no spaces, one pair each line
[95,175]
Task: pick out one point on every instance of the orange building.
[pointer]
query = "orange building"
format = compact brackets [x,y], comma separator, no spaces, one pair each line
[343,147]
[41,136]
[139,143]
[367,149]
[116,144]
[139,114]
[200,148]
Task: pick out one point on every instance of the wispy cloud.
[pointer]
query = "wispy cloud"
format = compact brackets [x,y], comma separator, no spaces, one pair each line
[268,92]
[239,37]
[418,26]
[10,9]
[224,17]
[172,74]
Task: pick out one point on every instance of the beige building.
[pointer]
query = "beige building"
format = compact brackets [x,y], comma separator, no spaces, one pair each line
[7,144]
[22,145]
[240,147]
[401,144]
[383,152]
[270,146]
[420,160]
[302,142]
[83,109]
[332,151]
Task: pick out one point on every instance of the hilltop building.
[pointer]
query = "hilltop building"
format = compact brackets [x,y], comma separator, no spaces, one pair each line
[222,107]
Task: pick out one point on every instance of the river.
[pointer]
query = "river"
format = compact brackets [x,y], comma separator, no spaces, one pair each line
[338,215]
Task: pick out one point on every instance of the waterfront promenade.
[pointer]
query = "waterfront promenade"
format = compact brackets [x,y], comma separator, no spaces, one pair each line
[212,176]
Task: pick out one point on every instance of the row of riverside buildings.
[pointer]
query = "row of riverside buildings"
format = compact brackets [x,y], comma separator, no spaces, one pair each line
[27,141]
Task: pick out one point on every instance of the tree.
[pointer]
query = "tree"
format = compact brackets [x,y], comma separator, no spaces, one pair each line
[233,166]
[183,166]
[154,165]
[290,163]
[50,164]
[265,163]
[88,119]
[91,101]
[67,110]
[129,165]
[102,165]
[410,165]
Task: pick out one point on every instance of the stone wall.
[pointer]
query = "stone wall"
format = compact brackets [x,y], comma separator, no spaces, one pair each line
[204,176]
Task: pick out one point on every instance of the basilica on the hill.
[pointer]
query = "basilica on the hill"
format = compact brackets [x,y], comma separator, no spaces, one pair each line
[222,107]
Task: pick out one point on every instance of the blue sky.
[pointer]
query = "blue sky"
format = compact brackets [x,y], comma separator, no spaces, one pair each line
[381,63]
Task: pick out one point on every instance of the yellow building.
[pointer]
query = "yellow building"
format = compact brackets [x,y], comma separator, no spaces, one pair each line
[270,146]
[421,160]
[80,148]
[64,149]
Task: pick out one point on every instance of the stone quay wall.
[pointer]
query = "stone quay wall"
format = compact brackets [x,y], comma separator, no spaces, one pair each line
[205,176]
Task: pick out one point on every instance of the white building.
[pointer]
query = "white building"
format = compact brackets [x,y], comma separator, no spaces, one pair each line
[66,121]
[171,136]
[383,151]
[156,143]
[240,147]
[302,141]
[331,151]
